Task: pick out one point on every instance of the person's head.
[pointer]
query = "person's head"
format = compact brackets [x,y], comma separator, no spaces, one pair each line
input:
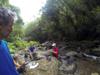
[6,22]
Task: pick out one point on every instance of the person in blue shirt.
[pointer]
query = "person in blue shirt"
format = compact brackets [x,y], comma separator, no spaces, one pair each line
[31,51]
[7,66]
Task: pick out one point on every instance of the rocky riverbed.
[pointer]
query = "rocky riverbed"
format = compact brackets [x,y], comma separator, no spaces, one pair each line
[69,64]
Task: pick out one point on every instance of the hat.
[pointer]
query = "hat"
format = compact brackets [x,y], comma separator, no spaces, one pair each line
[54,44]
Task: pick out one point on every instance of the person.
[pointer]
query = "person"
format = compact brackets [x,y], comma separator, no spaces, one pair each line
[20,67]
[26,55]
[55,50]
[7,66]
[32,52]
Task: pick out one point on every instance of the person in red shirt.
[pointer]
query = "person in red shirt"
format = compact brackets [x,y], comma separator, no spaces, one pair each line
[55,50]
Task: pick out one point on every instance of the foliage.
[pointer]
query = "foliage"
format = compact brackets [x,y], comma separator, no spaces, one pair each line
[18,25]
[70,20]
[12,48]
[4,3]
[21,45]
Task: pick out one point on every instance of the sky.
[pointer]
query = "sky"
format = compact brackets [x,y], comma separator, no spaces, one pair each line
[29,8]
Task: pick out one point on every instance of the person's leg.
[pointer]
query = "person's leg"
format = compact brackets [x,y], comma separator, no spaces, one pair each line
[31,55]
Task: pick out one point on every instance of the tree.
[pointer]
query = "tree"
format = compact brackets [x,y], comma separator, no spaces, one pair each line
[70,20]
[4,3]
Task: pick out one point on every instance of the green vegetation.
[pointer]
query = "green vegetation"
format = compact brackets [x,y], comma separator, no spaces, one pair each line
[20,45]
[68,20]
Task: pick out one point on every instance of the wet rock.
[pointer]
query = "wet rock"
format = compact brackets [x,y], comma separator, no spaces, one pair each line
[95,74]
[68,65]
[71,53]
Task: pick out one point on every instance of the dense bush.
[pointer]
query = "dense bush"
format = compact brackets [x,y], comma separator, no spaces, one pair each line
[20,45]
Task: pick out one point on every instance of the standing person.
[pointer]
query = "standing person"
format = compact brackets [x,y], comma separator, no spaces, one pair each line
[7,66]
[55,50]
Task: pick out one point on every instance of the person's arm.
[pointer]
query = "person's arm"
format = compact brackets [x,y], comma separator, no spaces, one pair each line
[17,64]
[55,51]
